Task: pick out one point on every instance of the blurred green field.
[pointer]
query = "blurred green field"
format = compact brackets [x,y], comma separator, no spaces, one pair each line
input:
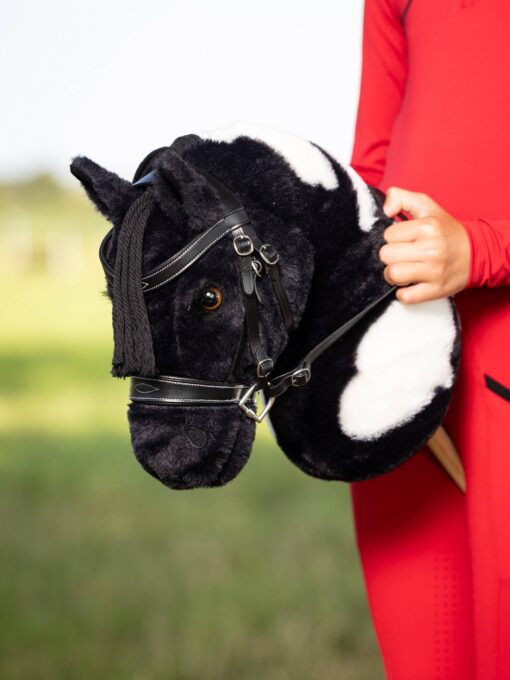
[105,573]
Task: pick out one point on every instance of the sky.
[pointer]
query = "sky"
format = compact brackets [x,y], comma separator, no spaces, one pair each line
[115,79]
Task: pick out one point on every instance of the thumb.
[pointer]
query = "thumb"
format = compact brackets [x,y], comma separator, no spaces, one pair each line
[416,204]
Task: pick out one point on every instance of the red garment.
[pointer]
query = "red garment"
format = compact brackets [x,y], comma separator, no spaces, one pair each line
[433,117]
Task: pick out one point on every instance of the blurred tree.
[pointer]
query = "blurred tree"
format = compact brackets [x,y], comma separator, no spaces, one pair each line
[43,223]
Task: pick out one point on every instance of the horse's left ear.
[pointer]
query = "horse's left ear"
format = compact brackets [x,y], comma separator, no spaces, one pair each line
[178,178]
[111,194]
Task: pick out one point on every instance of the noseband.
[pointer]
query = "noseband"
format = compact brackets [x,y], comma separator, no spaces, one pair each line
[254,259]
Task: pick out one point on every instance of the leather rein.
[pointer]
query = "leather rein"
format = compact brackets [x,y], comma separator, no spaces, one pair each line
[254,258]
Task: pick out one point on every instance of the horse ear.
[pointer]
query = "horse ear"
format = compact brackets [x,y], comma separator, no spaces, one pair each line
[111,194]
[199,198]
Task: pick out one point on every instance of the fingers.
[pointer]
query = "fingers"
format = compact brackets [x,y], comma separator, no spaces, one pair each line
[420,292]
[412,253]
[412,230]
[416,204]
[404,273]
[413,249]
[402,252]
[402,231]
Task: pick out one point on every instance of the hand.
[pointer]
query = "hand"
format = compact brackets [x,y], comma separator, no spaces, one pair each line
[430,251]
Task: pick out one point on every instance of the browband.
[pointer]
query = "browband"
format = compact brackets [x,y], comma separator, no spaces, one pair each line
[184,258]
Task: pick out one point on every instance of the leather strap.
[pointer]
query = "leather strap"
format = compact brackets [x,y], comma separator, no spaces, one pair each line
[176,390]
[300,375]
[238,355]
[281,296]
[270,257]
[244,247]
[189,254]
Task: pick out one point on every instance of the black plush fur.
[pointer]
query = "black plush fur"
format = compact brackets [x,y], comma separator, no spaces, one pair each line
[330,270]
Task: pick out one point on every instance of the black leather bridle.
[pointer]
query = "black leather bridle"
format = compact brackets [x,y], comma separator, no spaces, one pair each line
[254,258]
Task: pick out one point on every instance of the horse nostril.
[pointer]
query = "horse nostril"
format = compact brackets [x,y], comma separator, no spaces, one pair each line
[197,437]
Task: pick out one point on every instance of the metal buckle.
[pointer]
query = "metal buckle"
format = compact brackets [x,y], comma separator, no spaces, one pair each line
[257,267]
[300,377]
[269,258]
[249,411]
[248,245]
[265,367]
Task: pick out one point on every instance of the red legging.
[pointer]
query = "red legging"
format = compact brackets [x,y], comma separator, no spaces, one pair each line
[437,563]
[433,116]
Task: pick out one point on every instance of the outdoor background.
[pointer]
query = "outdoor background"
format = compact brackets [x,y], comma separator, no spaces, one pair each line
[105,573]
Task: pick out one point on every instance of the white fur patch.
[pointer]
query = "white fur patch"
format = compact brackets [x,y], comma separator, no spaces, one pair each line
[366,204]
[401,360]
[307,161]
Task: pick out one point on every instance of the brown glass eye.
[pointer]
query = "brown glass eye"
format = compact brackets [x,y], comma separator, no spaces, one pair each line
[212,298]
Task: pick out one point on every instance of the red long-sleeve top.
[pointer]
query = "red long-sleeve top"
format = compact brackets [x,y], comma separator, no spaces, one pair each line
[434,115]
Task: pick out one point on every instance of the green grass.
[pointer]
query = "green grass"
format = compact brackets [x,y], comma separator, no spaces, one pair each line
[105,573]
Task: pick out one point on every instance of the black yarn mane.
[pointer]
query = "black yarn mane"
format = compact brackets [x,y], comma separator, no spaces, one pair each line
[133,352]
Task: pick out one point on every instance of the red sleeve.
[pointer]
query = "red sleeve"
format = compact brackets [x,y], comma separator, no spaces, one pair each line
[383,75]
[490,252]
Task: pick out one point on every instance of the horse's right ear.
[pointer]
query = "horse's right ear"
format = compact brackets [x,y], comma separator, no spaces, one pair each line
[111,194]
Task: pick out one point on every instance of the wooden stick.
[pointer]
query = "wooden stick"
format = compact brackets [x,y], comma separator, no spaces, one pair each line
[444,450]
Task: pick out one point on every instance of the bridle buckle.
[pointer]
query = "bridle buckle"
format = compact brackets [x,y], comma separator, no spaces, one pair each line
[257,267]
[265,367]
[300,377]
[243,245]
[269,253]
[251,413]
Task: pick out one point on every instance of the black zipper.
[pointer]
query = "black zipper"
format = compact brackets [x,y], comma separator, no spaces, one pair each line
[497,387]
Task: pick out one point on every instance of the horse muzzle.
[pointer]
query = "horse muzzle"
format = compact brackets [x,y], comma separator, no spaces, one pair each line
[191,446]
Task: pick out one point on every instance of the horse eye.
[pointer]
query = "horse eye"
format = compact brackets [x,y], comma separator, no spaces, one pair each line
[211,298]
